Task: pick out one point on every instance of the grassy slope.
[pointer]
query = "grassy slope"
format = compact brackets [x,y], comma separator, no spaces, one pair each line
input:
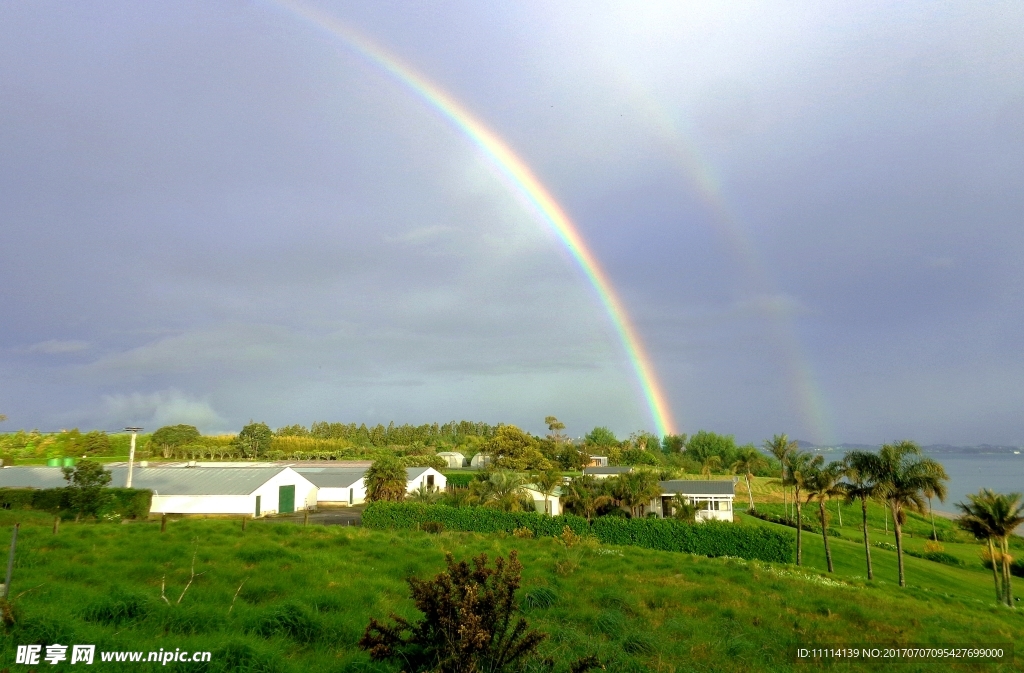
[637,609]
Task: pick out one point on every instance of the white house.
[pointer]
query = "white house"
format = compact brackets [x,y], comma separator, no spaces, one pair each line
[424,476]
[713,498]
[553,501]
[480,460]
[337,486]
[254,491]
[453,458]
[598,461]
[606,472]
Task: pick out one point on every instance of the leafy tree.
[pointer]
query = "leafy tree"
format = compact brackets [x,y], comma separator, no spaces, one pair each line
[862,469]
[601,436]
[634,455]
[748,462]
[583,496]
[822,484]
[993,517]
[513,449]
[254,440]
[782,448]
[292,431]
[573,457]
[87,482]
[174,435]
[801,466]
[555,427]
[386,480]
[903,478]
[673,443]
[705,444]
[471,624]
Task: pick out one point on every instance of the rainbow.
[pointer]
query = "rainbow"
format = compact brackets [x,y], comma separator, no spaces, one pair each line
[527,186]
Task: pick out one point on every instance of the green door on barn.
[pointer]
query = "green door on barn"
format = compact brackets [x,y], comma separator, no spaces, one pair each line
[285,499]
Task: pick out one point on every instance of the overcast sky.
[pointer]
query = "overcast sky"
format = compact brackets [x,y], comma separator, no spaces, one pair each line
[813,212]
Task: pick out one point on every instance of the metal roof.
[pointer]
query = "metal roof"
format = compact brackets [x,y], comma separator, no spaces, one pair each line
[160,480]
[325,477]
[618,469]
[699,487]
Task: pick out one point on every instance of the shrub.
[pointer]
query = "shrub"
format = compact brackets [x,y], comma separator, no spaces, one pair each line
[786,521]
[525,533]
[432,527]
[17,498]
[712,538]
[459,479]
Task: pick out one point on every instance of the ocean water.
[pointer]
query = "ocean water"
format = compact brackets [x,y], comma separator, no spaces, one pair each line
[969,473]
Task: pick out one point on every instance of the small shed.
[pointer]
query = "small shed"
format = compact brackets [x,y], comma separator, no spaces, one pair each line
[424,476]
[480,460]
[453,458]
[712,497]
[337,486]
[605,472]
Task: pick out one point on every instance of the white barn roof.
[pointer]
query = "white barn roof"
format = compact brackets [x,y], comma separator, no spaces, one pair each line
[160,480]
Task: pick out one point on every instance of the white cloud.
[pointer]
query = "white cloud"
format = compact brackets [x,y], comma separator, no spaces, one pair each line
[165,407]
[58,347]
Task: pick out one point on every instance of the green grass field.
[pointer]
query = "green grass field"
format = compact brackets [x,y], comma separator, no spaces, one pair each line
[307,593]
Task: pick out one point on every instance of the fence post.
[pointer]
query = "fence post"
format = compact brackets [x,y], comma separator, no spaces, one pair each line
[305,517]
[10,561]
[244,518]
[163,522]
[56,524]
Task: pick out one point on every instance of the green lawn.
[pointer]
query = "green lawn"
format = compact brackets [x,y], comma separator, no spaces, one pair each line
[307,593]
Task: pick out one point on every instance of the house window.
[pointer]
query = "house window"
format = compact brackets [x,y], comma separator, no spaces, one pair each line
[430,481]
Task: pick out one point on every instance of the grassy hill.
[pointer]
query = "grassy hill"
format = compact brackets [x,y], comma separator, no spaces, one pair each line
[282,597]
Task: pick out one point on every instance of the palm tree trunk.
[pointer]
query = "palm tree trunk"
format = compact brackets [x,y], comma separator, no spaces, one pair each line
[995,574]
[824,533]
[799,531]
[749,493]
[839,508]
[931,513]
[1007,577]
[867,545]
[898,531]
[885,517]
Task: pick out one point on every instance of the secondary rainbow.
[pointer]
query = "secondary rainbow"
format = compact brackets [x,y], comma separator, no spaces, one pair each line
[529,188]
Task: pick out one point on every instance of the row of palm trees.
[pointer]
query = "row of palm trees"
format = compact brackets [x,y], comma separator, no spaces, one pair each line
[899,476]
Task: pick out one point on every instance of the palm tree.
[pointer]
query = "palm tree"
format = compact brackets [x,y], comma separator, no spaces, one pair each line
[823,483]
[800,466]
[749,460]
[505,490]
[904,476]
[861,470]
[636,489]
[710,463]
[547,483]
[782,448]
[683,509]
[425,494]
[930,493]
[993,517]
[584,496]
[385,480]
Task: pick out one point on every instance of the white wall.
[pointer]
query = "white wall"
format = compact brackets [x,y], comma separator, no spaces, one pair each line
[305,492]
[203,504]
[340,496]
[554,503]
[440,481]
[724,513]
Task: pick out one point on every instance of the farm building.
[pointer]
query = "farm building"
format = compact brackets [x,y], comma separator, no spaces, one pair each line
[254,491]
[337,486]
[605,472]
[453,458]
[424,476]
[480,460]
[598,461]
[713,498]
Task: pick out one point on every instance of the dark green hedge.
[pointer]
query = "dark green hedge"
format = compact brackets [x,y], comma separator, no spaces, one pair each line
[128,503]
[712,538]
[460,479]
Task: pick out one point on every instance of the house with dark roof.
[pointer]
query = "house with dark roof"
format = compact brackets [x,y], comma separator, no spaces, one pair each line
[712,497]
[347,486]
